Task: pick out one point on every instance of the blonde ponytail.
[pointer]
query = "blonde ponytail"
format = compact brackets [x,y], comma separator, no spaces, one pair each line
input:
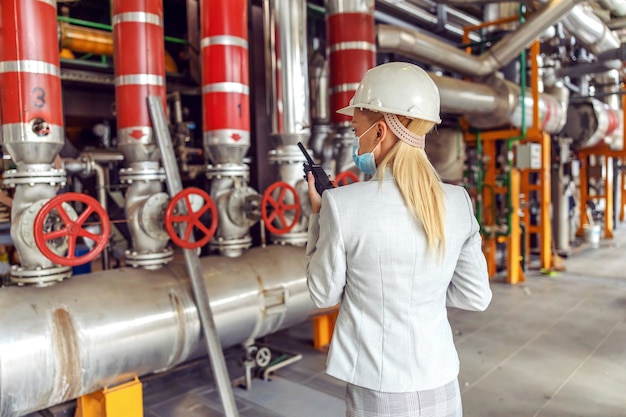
[419,184]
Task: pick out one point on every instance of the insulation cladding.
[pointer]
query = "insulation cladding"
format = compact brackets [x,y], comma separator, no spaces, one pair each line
[30,82]
[225,78]
[351,47]
[139,66]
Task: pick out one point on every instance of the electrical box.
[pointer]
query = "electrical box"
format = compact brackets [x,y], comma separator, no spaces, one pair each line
[528,156]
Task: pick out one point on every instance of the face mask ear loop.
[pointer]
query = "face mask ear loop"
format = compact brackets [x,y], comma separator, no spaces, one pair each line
[363,134]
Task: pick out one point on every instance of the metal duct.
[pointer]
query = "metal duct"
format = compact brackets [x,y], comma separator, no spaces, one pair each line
[590,122]
[61,342]
[617,7]
[448,21]
[446,151]
[465,97]
[427,50]
[489,106]
[288,77]
[589,30]
[225,80]
[612,97]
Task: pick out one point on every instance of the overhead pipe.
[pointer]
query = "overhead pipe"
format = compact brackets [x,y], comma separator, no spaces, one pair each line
[61,342]
[288,99]
[616,7]
[496,104]
[589,30]
[31,115]
[226,120]
[351,53]
[427,50]
[139,73]
[448,22]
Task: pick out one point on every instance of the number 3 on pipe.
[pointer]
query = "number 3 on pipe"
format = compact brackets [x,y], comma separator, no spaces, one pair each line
[56,220]
[189,218]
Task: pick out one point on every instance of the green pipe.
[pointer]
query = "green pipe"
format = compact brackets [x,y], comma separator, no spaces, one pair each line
[479,180]
[109,28]
[93,64]
[522,135]
[85,23]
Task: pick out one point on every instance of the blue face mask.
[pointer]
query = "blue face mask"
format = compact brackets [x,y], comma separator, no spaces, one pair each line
[366,162]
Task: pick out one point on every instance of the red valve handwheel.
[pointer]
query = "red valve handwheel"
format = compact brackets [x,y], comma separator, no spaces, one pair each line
[72,229]
[191,219]
[345,176]
[277,207]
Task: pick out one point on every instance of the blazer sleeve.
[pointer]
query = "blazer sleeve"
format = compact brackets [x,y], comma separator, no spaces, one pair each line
[469,288]
[326,256]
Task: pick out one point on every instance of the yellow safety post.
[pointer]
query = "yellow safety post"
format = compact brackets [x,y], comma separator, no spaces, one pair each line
[623,199]
[124,400]
[323,327]
[608,197]
[516,274]
[545,204]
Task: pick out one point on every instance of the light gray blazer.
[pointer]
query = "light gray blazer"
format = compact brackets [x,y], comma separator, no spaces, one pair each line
[366,251]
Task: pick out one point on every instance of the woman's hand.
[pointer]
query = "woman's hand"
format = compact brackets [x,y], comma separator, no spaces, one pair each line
[316,199]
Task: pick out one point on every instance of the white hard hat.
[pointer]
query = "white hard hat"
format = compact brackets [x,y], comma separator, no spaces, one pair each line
[399,88]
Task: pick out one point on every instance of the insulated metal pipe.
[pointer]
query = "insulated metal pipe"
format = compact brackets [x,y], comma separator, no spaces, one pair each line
[139,73]
[351,50]
[428,50]
[287,56]
[31,110]
[225,80]
[61,342]
[494,105]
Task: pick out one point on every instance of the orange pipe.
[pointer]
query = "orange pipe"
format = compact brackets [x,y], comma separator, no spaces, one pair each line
[98,42]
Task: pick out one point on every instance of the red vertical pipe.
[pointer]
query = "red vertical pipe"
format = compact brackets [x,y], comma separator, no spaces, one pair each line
[225,73]
[139,54]
[30,83]
[352,50]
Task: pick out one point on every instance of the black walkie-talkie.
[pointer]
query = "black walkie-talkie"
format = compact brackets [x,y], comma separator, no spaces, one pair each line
[321,179]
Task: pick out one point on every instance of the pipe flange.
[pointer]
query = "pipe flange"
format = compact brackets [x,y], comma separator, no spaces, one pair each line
[149,260]
[27,232]
[289,154]
[219,171]
[243,206]
[231,248]
[293,239]
[129,175]
[54,177]
[39,277]
[151,216]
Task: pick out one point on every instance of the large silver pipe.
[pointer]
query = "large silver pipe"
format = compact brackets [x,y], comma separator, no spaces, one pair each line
[590,30]
[427,50]
[418,11]
[288,77]
[617,7]
[61,342]
[493,105]
[465,97]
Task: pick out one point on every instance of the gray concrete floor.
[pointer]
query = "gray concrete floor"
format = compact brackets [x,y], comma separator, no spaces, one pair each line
[554,346]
